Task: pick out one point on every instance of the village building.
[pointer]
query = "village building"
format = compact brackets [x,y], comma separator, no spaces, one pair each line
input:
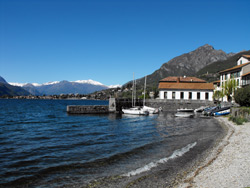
[240,73]
[185,88]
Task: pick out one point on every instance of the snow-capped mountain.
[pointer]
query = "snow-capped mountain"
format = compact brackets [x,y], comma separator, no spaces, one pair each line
[64,87]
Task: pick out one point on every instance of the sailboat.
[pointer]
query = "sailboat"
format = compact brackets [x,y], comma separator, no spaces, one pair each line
[151,110]
[135,110]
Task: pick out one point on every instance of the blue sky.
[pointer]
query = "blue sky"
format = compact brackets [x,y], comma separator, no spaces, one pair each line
[108,40]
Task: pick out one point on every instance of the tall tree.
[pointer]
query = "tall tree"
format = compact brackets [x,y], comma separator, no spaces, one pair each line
[229,89]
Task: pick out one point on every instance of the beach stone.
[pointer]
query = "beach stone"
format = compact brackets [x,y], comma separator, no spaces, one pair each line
[231,168]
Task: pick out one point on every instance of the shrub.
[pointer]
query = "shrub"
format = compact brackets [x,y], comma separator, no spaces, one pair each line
[242,96]
[237,120]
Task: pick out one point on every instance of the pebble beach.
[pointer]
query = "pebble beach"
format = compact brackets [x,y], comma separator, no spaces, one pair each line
[228,164]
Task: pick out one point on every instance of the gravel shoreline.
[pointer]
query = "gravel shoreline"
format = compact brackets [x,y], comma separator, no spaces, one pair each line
[228,164]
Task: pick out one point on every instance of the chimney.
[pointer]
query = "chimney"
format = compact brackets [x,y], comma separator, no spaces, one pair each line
[178,79]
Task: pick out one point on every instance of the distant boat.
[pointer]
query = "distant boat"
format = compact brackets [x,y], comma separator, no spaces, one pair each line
[151,110]
[184,114]
[200,109]
[185,110]
[135,111]
[222,113]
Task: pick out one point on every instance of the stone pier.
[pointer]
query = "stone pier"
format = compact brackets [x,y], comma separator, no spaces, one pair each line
[116,105]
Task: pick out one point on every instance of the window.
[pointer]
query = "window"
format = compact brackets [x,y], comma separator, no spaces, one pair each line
[190,95]
[173,95]
[198,95]
[165,95]
[182,95]
[238,82]
[226,77]
[206,96]
[238,74]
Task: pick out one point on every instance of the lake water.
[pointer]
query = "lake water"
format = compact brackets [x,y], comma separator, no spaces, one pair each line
[43,146]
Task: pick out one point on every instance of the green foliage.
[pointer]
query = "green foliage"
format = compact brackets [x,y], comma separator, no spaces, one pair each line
[222,65]
[9,90]
[229,88]
[238,120]
[242,96]
[218,95]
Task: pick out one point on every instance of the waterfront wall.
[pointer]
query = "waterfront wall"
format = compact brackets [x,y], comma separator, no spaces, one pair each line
[84,109]
[241,112]
[173,105]
[116,105]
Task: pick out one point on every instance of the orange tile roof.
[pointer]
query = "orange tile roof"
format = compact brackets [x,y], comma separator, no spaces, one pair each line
[246,56]
[234,68]
[182,79]
[245,74]
[181,86]
[217,81]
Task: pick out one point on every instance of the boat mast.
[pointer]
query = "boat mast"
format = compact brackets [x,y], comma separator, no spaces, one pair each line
[135,94]
[133,89]
[145,90]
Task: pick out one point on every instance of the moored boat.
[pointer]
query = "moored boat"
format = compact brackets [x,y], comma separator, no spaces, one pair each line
[135,111]
[184,114]
[151,110]
[222,113]
[185,110]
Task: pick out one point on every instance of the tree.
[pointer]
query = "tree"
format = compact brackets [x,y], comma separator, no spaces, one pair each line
[218,95]
[229,89]
[242,96]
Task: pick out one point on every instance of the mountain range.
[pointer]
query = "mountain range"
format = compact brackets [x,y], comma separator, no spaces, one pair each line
[55,88]
[204,62]
[187,64]
[9,90]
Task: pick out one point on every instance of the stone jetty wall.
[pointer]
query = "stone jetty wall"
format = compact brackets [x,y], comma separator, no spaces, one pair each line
[173,105]
[241,112]
[116,105]
[82,109]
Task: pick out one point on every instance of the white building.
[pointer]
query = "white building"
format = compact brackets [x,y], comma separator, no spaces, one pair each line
[240,72]
[185,88]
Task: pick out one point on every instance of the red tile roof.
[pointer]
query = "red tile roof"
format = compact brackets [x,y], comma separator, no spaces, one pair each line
[245,74]
[182,79]
[217,81]
[186,85]
[246,56]
[234,68]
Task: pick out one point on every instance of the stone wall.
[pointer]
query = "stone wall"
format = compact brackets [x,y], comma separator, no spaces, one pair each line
[241,112]
[82,109]
[173,105]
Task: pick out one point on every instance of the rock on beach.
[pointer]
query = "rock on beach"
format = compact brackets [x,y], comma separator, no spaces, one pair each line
[228,165]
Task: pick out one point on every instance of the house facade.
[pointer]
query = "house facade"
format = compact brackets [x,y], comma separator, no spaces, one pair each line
[185,88]
[240,73]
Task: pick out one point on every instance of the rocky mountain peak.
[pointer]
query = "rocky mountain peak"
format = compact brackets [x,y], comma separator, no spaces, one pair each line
[187,64]
[206,47]
[2,80]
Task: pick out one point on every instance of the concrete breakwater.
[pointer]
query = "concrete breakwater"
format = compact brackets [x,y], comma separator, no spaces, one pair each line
[84,109]
[116,105]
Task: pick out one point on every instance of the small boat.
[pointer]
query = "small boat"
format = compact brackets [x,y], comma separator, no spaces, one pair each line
[200,109]
[185,110]
[135,111]
[210,110]
[151,110]
[222,113]
[184,114]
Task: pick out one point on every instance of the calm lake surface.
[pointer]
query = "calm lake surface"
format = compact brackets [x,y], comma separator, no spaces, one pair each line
[42,146]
